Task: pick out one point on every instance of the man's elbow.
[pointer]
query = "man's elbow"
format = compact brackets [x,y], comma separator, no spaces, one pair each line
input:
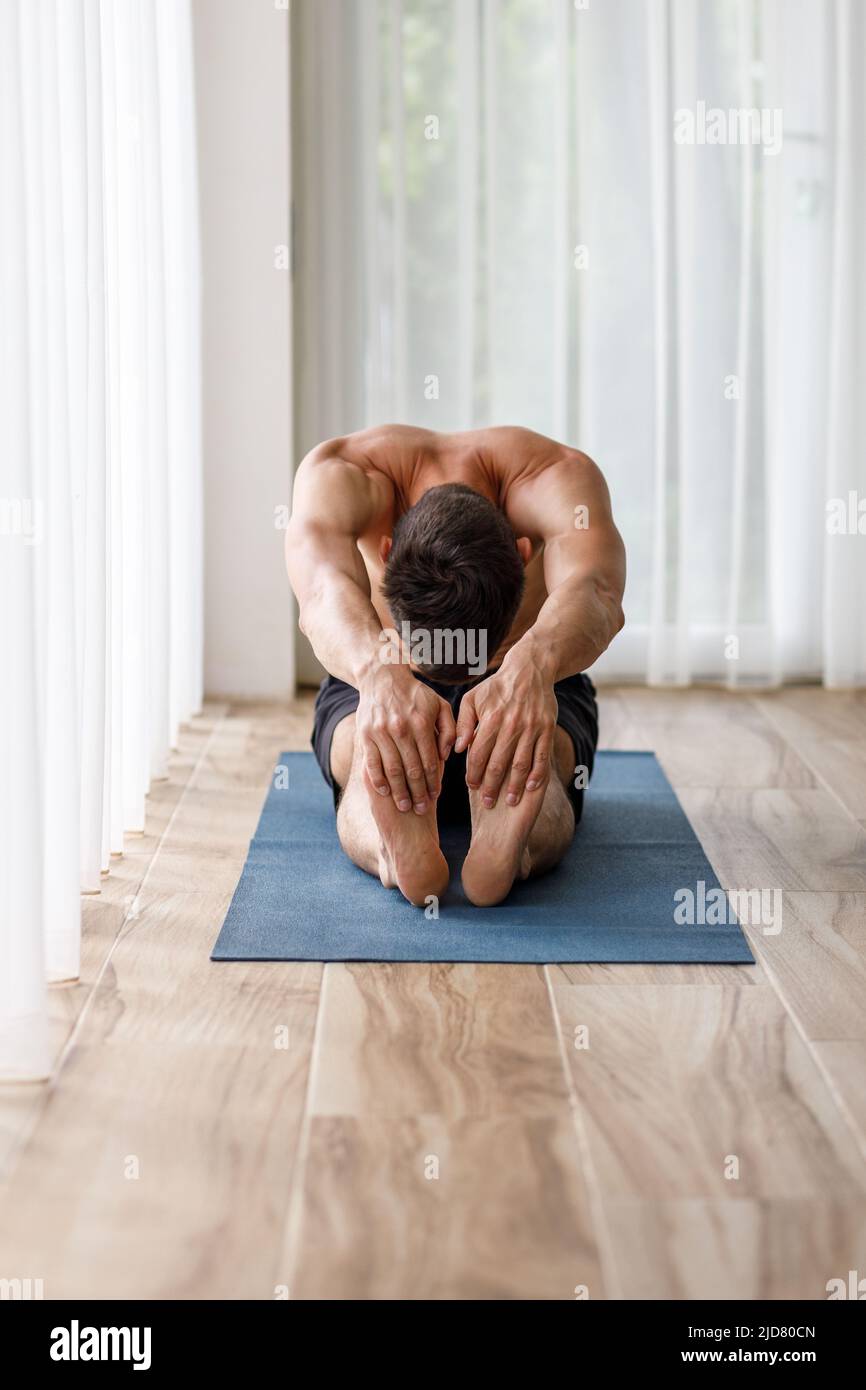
[612,605]
[306,612]
[614,623]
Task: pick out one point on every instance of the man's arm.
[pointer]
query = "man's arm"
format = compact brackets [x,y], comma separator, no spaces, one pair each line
[405,729]
[568,507]
[333,505]
[511,717]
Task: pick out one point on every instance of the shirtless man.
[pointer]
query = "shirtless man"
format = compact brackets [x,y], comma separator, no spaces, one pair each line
[495,542]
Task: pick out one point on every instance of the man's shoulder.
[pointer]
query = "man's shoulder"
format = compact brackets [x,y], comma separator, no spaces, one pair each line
[389,441]
[525,460]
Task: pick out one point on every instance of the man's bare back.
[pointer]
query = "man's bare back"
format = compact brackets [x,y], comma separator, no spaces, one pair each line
[499,528]
[400,463]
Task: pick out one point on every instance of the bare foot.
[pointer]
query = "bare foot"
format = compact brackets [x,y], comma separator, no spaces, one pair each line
[498,852]
[409,854]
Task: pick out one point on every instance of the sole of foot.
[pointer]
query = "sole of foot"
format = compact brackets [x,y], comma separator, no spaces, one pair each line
[498,852]
[409,854]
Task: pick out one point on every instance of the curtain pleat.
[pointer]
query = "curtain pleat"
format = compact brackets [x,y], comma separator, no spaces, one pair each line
[100,543]
[466,18]
[185,509]
[24,1046]
[845,568]
[48,265]
[94,686]
[743,370]
[399,267]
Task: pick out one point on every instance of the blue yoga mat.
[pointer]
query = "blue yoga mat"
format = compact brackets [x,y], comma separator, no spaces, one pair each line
[611,898]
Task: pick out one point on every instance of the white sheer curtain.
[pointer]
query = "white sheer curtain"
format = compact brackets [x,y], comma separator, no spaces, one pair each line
[100,532]
[496,224]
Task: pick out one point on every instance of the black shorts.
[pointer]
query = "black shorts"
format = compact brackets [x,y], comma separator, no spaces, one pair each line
[577,714]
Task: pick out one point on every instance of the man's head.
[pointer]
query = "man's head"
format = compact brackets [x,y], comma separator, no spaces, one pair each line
[454,572]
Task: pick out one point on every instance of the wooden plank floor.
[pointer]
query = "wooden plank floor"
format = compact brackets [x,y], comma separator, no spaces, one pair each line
[463,1131]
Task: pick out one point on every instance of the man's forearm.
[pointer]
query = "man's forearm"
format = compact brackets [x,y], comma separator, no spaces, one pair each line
[577,622]
[335,613]
[343,629]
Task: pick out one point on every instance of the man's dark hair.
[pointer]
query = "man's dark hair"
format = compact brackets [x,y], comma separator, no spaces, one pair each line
[454,566]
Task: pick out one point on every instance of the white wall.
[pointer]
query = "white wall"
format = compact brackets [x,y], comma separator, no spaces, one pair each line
[242,85]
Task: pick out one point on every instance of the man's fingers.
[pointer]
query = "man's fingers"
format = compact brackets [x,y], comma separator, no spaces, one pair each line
[392,762]
[482,746]
[521,764]
[429,754]
[540,770]
[375,770]
[497,768]
[446,729]
[413,770]
[466,722]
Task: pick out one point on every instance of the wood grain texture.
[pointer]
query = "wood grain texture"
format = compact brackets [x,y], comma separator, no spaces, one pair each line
[460,1063]
[745,1249]
[713,738]
[674,1083]
[844,1065]
[506,1217]
[841,766]
[778,838]
[616,727]
[670,974]
[451,1040]
[806,712]
[817,962]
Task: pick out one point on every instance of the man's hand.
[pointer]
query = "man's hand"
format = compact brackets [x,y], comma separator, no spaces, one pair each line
[407,732]
[509,721]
